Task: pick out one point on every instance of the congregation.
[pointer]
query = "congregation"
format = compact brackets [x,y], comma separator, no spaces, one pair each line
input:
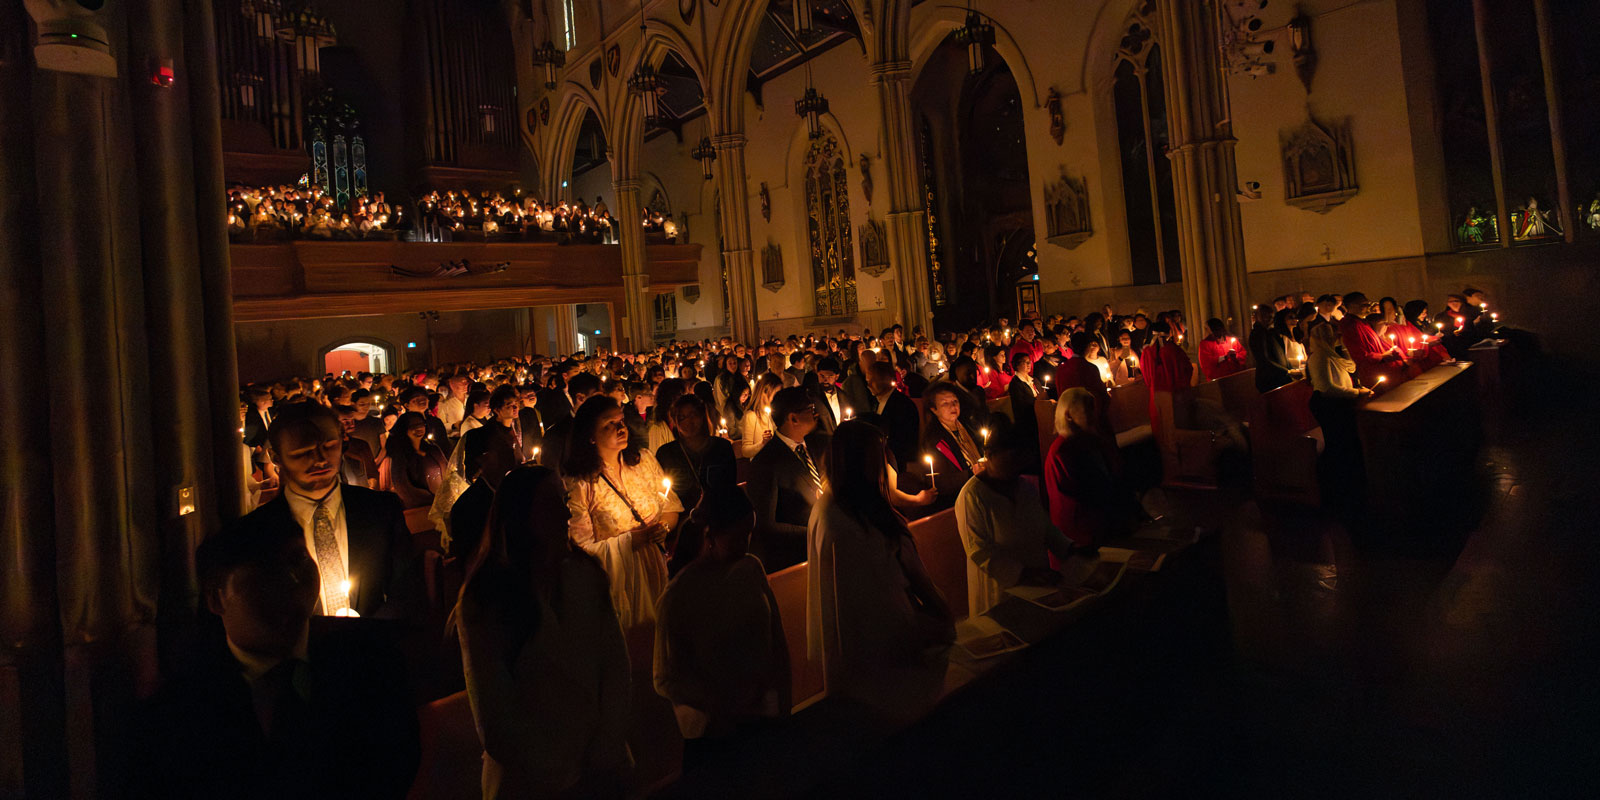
[596,531]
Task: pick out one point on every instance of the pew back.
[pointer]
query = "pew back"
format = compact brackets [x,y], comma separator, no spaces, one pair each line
[1285,441]
[939,545]
[789,589]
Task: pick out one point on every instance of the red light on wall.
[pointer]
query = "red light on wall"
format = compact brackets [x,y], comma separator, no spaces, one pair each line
[163,75]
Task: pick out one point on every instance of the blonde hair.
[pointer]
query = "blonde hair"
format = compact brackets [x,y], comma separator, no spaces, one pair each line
[1077,395]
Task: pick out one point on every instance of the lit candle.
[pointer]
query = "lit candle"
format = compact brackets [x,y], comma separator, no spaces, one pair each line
[848,413]
[929,461]
[985,433]
[1495,317]
[666,488]
[536,455]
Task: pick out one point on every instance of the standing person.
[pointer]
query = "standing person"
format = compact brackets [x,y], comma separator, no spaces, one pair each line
[786,478]
[415,466]
[545,664]
[1166,368]
[453,406]
[1373,355]
[875,621]
[757,427]
[950,441]
[830,401]
[1088,503]
[1221,354]
[1004,528]
[894,413]
[357,536]
[720,652]
[1334,397]
[1025,420]
[621,513]
[557,436]
[697,462]
[1268,350]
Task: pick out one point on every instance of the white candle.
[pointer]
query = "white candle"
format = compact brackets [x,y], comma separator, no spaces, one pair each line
[666,488]
[929,460]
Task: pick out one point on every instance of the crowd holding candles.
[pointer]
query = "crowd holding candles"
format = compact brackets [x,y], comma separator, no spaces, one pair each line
[600,509]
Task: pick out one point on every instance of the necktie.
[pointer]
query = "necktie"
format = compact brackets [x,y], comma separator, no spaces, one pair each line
[330,562]
[805,458]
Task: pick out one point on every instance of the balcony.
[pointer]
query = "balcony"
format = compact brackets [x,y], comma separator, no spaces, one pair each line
[311,279]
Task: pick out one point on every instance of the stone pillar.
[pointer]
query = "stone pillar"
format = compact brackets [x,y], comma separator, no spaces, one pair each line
[736,253]
[633,330]
[566,327]
[907,225]
[1204,174]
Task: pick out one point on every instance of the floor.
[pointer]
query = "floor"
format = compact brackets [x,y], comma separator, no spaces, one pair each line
[1288,655]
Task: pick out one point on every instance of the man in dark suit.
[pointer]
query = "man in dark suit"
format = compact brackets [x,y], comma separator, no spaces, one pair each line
[824,388]
[582,386]
[1023,392]
[894,414]
[557,402]
[257,415]
[357,537]
[856,389]
[504,406]
[273,703]
[784,480]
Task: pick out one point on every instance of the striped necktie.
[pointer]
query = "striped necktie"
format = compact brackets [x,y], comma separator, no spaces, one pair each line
[805,458]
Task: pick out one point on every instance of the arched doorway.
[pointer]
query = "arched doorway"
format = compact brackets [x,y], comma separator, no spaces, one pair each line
[974,164]
[356,357]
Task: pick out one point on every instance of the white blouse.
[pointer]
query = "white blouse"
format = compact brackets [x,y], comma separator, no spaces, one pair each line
[600,516]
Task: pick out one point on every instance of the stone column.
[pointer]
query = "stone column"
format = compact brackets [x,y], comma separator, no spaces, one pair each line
[634,329]
[731,182]
[1204,173]
[907,226]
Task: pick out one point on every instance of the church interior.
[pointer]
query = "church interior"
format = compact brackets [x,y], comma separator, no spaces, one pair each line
[1213,371]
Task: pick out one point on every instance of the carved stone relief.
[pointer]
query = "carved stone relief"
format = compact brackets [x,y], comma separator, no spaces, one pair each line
[1319,168]
[1066,205]
[874,247]
[772,267]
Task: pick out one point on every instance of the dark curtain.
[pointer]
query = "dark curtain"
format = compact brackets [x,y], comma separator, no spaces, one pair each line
[117,383]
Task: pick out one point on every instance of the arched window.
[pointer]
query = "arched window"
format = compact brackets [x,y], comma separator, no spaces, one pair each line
[666,315]
[833,269]
[1139,96]
[569,25]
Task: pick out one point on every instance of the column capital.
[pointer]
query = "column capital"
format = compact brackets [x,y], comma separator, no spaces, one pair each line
[884,71]
[627,185]
[729,141]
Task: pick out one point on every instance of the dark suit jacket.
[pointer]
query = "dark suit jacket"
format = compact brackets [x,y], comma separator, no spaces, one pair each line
[354,732]
[387,582]
[553,406]
[532,433]
[783,493]
[468,517]
[899,422]
[1272,359]
[950,468]
[255,428]
[555,443]
[825,418]
[856,394]
[1027,423]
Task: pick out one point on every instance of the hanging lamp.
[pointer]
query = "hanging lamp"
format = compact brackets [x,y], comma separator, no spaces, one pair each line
[976,34]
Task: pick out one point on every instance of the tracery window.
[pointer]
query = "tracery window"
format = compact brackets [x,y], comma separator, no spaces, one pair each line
[1139,97]
[833,270]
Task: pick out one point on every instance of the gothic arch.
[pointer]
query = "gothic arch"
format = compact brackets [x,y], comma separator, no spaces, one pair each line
[627,137]
[932,24]
[576,103]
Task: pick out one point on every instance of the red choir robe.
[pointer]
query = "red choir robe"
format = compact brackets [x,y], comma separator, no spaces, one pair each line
[1220,357]
[996,384]
[1166,368]
[1375,356]
[1424,354]
[1078,372]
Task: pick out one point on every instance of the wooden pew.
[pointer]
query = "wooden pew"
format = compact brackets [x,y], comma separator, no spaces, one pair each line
[1129,412]
[1285,442]
[789,588]
[939,545]
[1420,442]
[1189,450]
[452,756]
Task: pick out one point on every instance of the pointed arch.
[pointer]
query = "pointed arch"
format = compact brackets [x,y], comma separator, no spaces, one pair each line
[576,103]
[659,39]
[931,25]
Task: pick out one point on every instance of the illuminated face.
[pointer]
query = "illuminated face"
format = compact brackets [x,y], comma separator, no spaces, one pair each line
[364,406]
[611,433]
[308,456]
[947,408]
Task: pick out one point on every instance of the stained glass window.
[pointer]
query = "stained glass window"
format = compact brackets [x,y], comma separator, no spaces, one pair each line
[833,270]
[930,206]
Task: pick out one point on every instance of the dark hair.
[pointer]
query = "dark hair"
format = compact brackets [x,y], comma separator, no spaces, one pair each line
[1019,357]
[510,568]
[829,364]
[857,472]
[583,457]
[410,394]
[1080,342]
[300,415]
[667,393]
[1215,325]
[237,546]
[584,383]
[882,369]
[721,507]
[503,394]
[1415,310]
[477,396]
[788,401]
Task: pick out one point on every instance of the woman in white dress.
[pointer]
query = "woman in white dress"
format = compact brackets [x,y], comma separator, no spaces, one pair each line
[756,429]
[622,514]
[546,670]
[874,618]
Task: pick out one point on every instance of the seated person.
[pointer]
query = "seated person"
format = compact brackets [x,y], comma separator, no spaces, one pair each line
[1087,501]
[785,479]
[720,653]
[1007,534]
[273,705]
[1221,355]
[696,462]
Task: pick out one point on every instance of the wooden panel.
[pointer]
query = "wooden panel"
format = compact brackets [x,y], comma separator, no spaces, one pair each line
[939,545]
[309,279]
[789,589]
